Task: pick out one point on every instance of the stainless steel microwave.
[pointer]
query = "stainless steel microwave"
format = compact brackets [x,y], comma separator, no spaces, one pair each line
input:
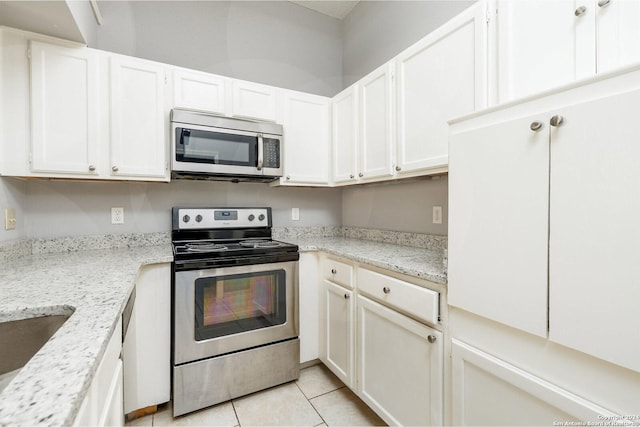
[206,146]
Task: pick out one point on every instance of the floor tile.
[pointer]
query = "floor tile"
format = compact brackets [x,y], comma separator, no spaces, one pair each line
[317,380]
[222,414]
[284,405]
[343,408]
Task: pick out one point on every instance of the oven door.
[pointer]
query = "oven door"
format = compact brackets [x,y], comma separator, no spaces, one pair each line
[221,310]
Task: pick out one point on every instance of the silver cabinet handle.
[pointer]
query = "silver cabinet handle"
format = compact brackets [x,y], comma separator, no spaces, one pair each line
[431,338]
[536,126]
[346,296]
[580,11]
[386,290]
[114,168]
[604,3]
[556,121]
[360,174]
[398,168]
[334,271]
[92,168]
[352,176]
[260,152]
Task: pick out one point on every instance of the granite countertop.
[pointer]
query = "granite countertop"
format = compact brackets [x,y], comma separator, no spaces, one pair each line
[93,285]
[428,264]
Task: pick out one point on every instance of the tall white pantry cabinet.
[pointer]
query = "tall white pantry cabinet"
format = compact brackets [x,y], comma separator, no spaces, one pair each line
[544,240]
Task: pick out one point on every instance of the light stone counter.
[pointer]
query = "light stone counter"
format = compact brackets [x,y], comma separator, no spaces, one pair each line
[425,263]
[93,285]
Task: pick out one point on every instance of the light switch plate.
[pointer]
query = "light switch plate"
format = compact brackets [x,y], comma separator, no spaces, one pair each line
[9,219]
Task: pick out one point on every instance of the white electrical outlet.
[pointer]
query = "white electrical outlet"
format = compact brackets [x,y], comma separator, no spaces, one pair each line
[295,214]
[117,215]
[437,214]
[9,219]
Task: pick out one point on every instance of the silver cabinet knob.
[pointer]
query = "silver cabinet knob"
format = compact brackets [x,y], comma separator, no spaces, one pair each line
[580,11]
[604,3]
[536,126]
[347,296]
[114,168]
[352,176]
[360,174]
[92,168]
[334,271]
[288,177]
[386,290]
[431,338]
[398,168]
[556,121]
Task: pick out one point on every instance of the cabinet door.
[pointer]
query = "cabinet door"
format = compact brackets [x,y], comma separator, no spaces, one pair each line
[487,391]
[542,44]
[498,223]
[400,371]
[199,91]
[618,23]
[254,101]
[594,238]
[442,77]
[376,123]
[338,332]
[345,135]
[306,139]
[64,109]
[138,131]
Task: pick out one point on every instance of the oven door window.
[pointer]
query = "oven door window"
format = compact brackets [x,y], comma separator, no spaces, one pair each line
[197,146]
[228,305]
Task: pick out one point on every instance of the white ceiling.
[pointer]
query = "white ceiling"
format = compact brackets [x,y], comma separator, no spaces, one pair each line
[336,9]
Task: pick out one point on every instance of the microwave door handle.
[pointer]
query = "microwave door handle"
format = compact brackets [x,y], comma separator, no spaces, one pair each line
[260,151]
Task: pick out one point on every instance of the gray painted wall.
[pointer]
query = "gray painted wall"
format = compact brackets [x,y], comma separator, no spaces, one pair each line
[376,31]
[398,206]
[63,208]
[272,42]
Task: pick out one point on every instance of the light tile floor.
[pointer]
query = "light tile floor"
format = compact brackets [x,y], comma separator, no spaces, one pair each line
[317,398]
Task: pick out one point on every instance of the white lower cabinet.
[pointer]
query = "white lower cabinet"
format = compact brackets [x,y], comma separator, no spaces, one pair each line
[338,341]
[375,342]
[400,366]
[103,404]
[489,391]
[309,291]
[147,345]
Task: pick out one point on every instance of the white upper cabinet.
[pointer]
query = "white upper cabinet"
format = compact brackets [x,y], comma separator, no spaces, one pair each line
[345,135]
[138,131]
[498,207]
[543,44]
[306,139]
[441,77]
[64,109]
[254,101]
[199,91]
[377,123]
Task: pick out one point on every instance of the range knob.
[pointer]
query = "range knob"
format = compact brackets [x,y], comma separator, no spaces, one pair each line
[198,218]
[186,218]
[252,217]
[261,217]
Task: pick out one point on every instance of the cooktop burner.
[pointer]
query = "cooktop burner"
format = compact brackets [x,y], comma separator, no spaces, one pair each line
[261,244]
[204,247]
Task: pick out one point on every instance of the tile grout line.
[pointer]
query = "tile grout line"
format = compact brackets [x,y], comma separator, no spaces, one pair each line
[312,405]
[235,413]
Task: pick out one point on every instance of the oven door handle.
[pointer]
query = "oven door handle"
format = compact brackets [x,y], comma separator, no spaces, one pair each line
[260,151]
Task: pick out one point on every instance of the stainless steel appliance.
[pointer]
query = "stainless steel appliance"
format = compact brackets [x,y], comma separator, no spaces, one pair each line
[235,306]
[206,146]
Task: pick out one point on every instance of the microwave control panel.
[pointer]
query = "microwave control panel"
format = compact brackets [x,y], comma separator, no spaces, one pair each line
[271,153]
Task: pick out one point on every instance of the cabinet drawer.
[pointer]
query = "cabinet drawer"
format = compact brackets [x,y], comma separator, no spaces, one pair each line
[338,272]
[412,299]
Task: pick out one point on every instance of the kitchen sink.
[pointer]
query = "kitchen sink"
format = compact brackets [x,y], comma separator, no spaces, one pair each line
[21,340]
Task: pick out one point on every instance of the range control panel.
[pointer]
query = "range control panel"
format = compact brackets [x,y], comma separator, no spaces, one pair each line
[205,218]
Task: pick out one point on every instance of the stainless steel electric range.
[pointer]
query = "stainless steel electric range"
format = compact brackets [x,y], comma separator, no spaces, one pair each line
[235,306]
